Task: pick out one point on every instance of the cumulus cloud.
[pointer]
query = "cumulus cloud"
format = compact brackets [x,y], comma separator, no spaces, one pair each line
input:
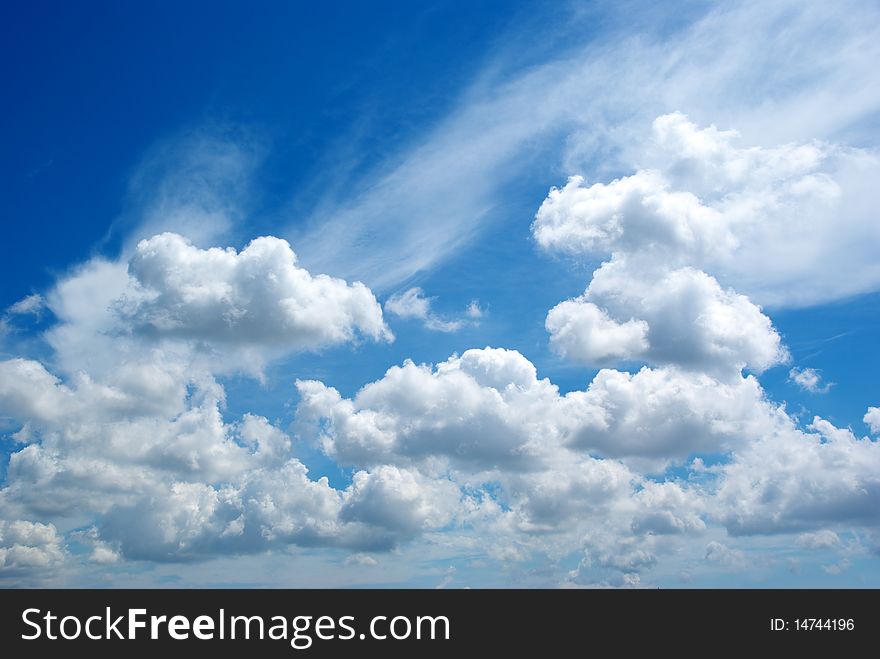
[471,409]
[488,410]
[681,317]
[185,484]
[102,553]
[256,296]
[701,202]
[403,501]
[706,202]
[486,417]
[637,213]
[210,309]
[709,205]
[131,433]
[26,545]
[757,217]
[791,481]
[583,332]
[279,507]
[668,509]
[90,445]
[809,379]
[872,419]
[477,444]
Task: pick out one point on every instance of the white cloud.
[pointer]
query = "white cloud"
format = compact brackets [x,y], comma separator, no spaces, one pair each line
[650,300]
[487,410]
[94,445]
[818,539]
[485,417]
[476,445]
[31,304]
[664,414]
[793,481]
[402,501]
[637,213]
[412,303]
[812,197]
[104,555]
[872,419]
[809,379]
[455,411]
[440,191]
[474,310]
[680,317]
[87,336]
[277,507]
[710,204]
[361,559]
[180,483]
[717,552]
[581,331]
[667,509]
[761,218]
[256,296]
[211,309]
[26,545]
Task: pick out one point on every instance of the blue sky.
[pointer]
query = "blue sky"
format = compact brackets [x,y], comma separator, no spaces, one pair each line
[723,227]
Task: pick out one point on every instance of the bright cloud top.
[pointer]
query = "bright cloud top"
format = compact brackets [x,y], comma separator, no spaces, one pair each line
[28,545]
[215,308]
[872,419]
[257,296]
[487,410]
[650,300]
[771,221]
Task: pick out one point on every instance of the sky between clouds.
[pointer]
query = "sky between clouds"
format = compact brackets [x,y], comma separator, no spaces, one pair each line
[596,305]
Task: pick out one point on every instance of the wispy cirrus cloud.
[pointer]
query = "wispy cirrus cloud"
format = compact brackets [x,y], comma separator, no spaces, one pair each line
[735,66]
